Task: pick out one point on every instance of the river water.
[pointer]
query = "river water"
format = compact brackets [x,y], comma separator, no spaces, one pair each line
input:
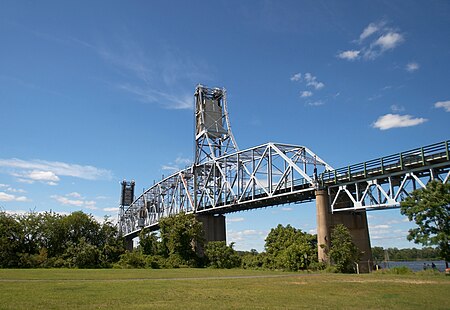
[415,265]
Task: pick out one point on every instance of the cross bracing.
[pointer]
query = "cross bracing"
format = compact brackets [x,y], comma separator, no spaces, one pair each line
[385,182]
[265,175]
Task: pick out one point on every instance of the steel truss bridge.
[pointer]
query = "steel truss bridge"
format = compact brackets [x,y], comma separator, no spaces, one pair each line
[224,179]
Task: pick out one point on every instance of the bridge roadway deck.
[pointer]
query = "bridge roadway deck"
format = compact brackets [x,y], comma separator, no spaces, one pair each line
[435,157]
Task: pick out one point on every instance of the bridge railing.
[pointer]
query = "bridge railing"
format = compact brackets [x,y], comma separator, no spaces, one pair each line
[400,161]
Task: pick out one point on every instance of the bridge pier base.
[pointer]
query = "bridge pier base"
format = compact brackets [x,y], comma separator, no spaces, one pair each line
[213,226]
[356,222]
[129,244]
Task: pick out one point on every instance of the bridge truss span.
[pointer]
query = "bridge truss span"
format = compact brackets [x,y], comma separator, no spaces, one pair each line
[385,182]
[265,175]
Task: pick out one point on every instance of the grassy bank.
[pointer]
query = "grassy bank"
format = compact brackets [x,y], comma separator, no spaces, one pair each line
[217,289]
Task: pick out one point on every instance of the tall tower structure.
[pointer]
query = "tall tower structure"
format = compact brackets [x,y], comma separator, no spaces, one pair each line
[126,199]
[213,136]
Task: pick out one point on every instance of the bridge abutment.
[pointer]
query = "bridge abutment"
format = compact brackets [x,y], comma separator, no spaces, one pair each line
[356,222]
[213,226]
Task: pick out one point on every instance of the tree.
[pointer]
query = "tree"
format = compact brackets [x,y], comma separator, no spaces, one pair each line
[148,243]
[220,255]
[181,237]
[343,252]
[11,238]
[290,248]
[430,209]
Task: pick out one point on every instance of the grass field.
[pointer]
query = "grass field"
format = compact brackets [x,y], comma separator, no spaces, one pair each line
[217,289]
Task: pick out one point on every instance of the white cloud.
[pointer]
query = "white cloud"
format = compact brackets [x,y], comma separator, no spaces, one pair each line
[312,81]
[349,55]
[443,104]
[396,108]
[235,219]
[389,40]
[369,30]
[296,77]
[166,100]
[382,226]
[316,103]
[412,66]
[179,164]
[305,94]
[29,171]
[42,176]
[6,197]
[74,194]
[111,209]
[389,121]
[81,203]
[286,209]
[386,38]
[9,197]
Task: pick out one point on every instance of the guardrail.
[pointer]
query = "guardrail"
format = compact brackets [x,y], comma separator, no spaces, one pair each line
[397,162]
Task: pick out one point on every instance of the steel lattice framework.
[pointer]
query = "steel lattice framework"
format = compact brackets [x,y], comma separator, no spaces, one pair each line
[261,176]
[385,182]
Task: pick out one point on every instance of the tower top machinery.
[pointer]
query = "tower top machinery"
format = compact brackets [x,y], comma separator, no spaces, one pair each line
[213,136]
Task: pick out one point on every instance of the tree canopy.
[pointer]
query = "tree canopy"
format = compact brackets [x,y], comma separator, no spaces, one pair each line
[429,208]
[51,240]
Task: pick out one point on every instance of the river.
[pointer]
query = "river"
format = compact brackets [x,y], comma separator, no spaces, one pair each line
[415,265]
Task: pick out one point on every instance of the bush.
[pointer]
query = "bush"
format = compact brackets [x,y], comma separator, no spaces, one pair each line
[396,270]
[134,259]
[219,255]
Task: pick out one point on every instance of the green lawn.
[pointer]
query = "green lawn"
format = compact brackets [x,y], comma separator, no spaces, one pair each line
[217,289]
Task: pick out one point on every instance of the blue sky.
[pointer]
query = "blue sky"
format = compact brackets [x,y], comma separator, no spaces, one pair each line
[93,92]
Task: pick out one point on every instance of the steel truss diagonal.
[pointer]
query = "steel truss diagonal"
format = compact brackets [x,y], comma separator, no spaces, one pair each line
[266,175]
[385,182]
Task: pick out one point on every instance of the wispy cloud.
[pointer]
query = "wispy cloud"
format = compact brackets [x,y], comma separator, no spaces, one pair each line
[286,209]
[179,163]
[412,66]
[306,93]
[316,103]
[162,76]
[10,197]
[309,81]
[397,108]
[312,81]
[443,104]
[50,172]
[81,203]
[375,40]
[296,77]
[115,209]
[349,55]
[389,121]
[235,219]
[158,77]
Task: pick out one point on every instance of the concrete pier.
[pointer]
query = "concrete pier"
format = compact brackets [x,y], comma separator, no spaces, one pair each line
[213,226]
[356,222]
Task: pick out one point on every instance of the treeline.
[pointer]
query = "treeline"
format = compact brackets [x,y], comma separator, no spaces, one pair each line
[34,240]
[49,240]
[427,253]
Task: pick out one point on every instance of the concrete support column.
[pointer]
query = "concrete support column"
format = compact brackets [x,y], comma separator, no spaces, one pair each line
[323,225]
[129,244]
[356,222]
[213,226]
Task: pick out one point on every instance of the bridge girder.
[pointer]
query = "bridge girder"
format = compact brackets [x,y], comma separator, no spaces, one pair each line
[269,174]
[385,182]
